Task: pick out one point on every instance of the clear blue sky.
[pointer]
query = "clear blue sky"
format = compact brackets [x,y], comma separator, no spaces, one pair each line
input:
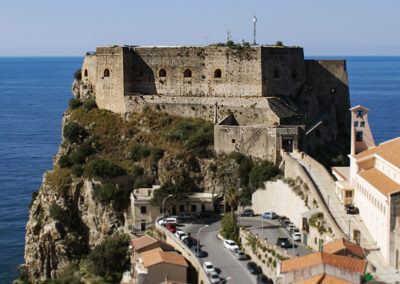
[322,27]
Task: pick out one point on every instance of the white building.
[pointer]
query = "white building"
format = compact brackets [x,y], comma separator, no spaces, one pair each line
[144,212]
[375,176]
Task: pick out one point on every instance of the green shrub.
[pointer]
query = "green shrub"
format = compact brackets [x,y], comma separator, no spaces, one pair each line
[139,152]
[261,173]
[65,161]
[57,213]
[230,228]
[137,171]
[106,193]
[89,104]
[77,170]
[74,132]
[74,103]
[80,155]
[279,43]
[78,74]
[103,168]
[156,154]
[110,259]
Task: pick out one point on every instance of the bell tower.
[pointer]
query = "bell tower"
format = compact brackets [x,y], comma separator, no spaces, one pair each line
[361,136]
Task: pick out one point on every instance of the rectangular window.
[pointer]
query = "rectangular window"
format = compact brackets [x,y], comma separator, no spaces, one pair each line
[181,208]
[359,136]
[143,209]
[193,208]
[362,124]
[349,193]
[355,123]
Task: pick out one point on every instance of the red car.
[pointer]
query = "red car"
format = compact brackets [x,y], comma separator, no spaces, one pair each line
[171,227]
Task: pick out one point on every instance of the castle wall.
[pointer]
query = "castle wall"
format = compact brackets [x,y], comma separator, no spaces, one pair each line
[325,97]
[89,70]
[283,70]
[110,90]
[246,110]
[240,72]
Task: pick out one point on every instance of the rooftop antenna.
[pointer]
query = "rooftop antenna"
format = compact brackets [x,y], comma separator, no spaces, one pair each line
[254,34]
[228,35]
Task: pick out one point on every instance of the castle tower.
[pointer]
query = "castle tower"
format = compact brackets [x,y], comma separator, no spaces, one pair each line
[361,136]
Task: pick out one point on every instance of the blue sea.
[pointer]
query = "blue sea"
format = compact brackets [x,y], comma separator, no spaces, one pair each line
[34,93]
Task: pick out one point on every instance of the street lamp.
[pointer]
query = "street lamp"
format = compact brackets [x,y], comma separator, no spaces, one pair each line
[163,204]
[198,241]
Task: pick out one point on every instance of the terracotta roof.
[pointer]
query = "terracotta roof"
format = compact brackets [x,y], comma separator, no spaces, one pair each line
[309,260]
[323,279]
[141,243]
[157,255]
[341,244]
[380,181]
[388,150]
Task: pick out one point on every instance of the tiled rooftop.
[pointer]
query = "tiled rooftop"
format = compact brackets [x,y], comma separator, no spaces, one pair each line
[341,244]
[143,242]
[323,279]
[389,150]
[380,181]
[157,255]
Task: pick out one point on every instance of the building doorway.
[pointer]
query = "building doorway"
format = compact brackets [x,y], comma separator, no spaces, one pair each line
[287,144]
[143,226]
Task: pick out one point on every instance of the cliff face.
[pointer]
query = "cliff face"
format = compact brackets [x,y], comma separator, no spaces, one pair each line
[67,219]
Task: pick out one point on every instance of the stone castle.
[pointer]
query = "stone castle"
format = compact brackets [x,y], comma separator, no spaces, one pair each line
[261,98]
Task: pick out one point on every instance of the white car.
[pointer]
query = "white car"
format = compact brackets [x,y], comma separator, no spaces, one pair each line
[180,234]
[208,267]
[172,220]
[162,222]
[231,245]
[214,278]
[290,227]
[296,236]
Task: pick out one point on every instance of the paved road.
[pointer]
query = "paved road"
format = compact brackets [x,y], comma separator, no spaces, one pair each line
[230,269]
[272,230]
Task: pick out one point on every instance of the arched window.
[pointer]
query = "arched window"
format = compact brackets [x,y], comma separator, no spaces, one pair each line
[217,73]
[162,73]
[86,73]
[106,73]
[187,73]
[276,73]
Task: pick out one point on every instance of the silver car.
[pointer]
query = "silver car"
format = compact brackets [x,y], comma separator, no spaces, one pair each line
[239,254]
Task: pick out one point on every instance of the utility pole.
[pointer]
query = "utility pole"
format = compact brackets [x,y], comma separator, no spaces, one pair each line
[254,31]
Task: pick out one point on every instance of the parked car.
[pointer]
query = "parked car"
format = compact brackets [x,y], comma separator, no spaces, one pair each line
[214,277]
[270,215]
[205,214]
[172,219]
[283,242]
[231,245]
[253,268]
[296,236]
[247,213]
[171,227]
[262,279]
[239,254]
[162,222]
[198,252]
[180,234]
[282,219]
[208,267]
[286,222]
[290,227]
[351,209]
[185,217]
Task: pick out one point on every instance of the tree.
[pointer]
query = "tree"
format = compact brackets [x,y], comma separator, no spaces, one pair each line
[74,132]
[230,228]
[110,258]
[232,198]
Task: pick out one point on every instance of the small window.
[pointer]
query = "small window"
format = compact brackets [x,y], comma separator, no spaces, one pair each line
[359,136]
[182,208]
[86,73]
[294,74]
[143,209]
[233,141]
[162,73]
[355,123]
[360,114]
[106,73]
[193,208]
[362,124]
[187,73]
[276,73]
[217,73]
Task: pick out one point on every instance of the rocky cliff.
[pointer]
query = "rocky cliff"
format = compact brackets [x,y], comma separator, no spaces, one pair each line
[67,218]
